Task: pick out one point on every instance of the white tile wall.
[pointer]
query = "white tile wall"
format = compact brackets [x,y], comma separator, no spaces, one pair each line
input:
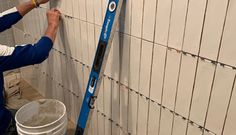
[170,71]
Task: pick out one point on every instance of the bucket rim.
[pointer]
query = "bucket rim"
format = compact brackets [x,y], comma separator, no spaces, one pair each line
[64,124]
[36,127]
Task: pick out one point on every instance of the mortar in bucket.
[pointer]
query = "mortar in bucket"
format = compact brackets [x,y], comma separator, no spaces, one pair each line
[42,117]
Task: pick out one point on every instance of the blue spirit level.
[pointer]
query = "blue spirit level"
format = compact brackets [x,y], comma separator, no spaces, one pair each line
[99,64]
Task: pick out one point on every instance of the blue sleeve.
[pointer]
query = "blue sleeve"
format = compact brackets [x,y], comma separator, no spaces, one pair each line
[9,18]
[5,119]
[27,55]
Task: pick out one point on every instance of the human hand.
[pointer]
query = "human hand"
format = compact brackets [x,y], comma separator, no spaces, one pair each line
[53,17]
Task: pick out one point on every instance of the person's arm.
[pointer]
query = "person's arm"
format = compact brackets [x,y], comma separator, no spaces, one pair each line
[15,57]
[13,15]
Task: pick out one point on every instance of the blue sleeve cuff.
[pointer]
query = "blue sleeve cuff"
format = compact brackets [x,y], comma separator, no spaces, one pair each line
[42,49]
[47,41]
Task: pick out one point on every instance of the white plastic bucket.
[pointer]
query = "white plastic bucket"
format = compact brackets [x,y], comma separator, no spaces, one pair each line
[42,117]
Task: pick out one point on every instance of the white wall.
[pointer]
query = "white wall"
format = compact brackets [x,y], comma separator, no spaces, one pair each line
[171,69]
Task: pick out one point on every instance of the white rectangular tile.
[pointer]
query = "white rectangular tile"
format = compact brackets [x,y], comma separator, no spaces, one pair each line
[125,17]
[67,102]
[149,19]
[213,27]
[124,95]
[136,23]
[179,126]
[142,116]
[145,69]
[135,47]
[177,23]
[80,81]
[98,30]
[91,42]
[90,10]
[194,130]
[115,102]
[109,64]
[125,60]
[153,119]
[98,12]
[115,129]
[72,76]
[86,72]
[165,122]
[59,93]
[100,99]
[78,45]
[71,38]
[107,127]
[185,86]
[63,68]
[171,78]
[69,8]
[66,32]
[56,62]
[101,124]
[84,42]
[76,8]
[224,80]
[104,8]
[132,112]
[202,90]
[94,123]
[60,41]
[107,97]
[196,11]
[229,128]
[82,10]
[114,64]
[73,109]
[163,21]
[78,108]
[227,54]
